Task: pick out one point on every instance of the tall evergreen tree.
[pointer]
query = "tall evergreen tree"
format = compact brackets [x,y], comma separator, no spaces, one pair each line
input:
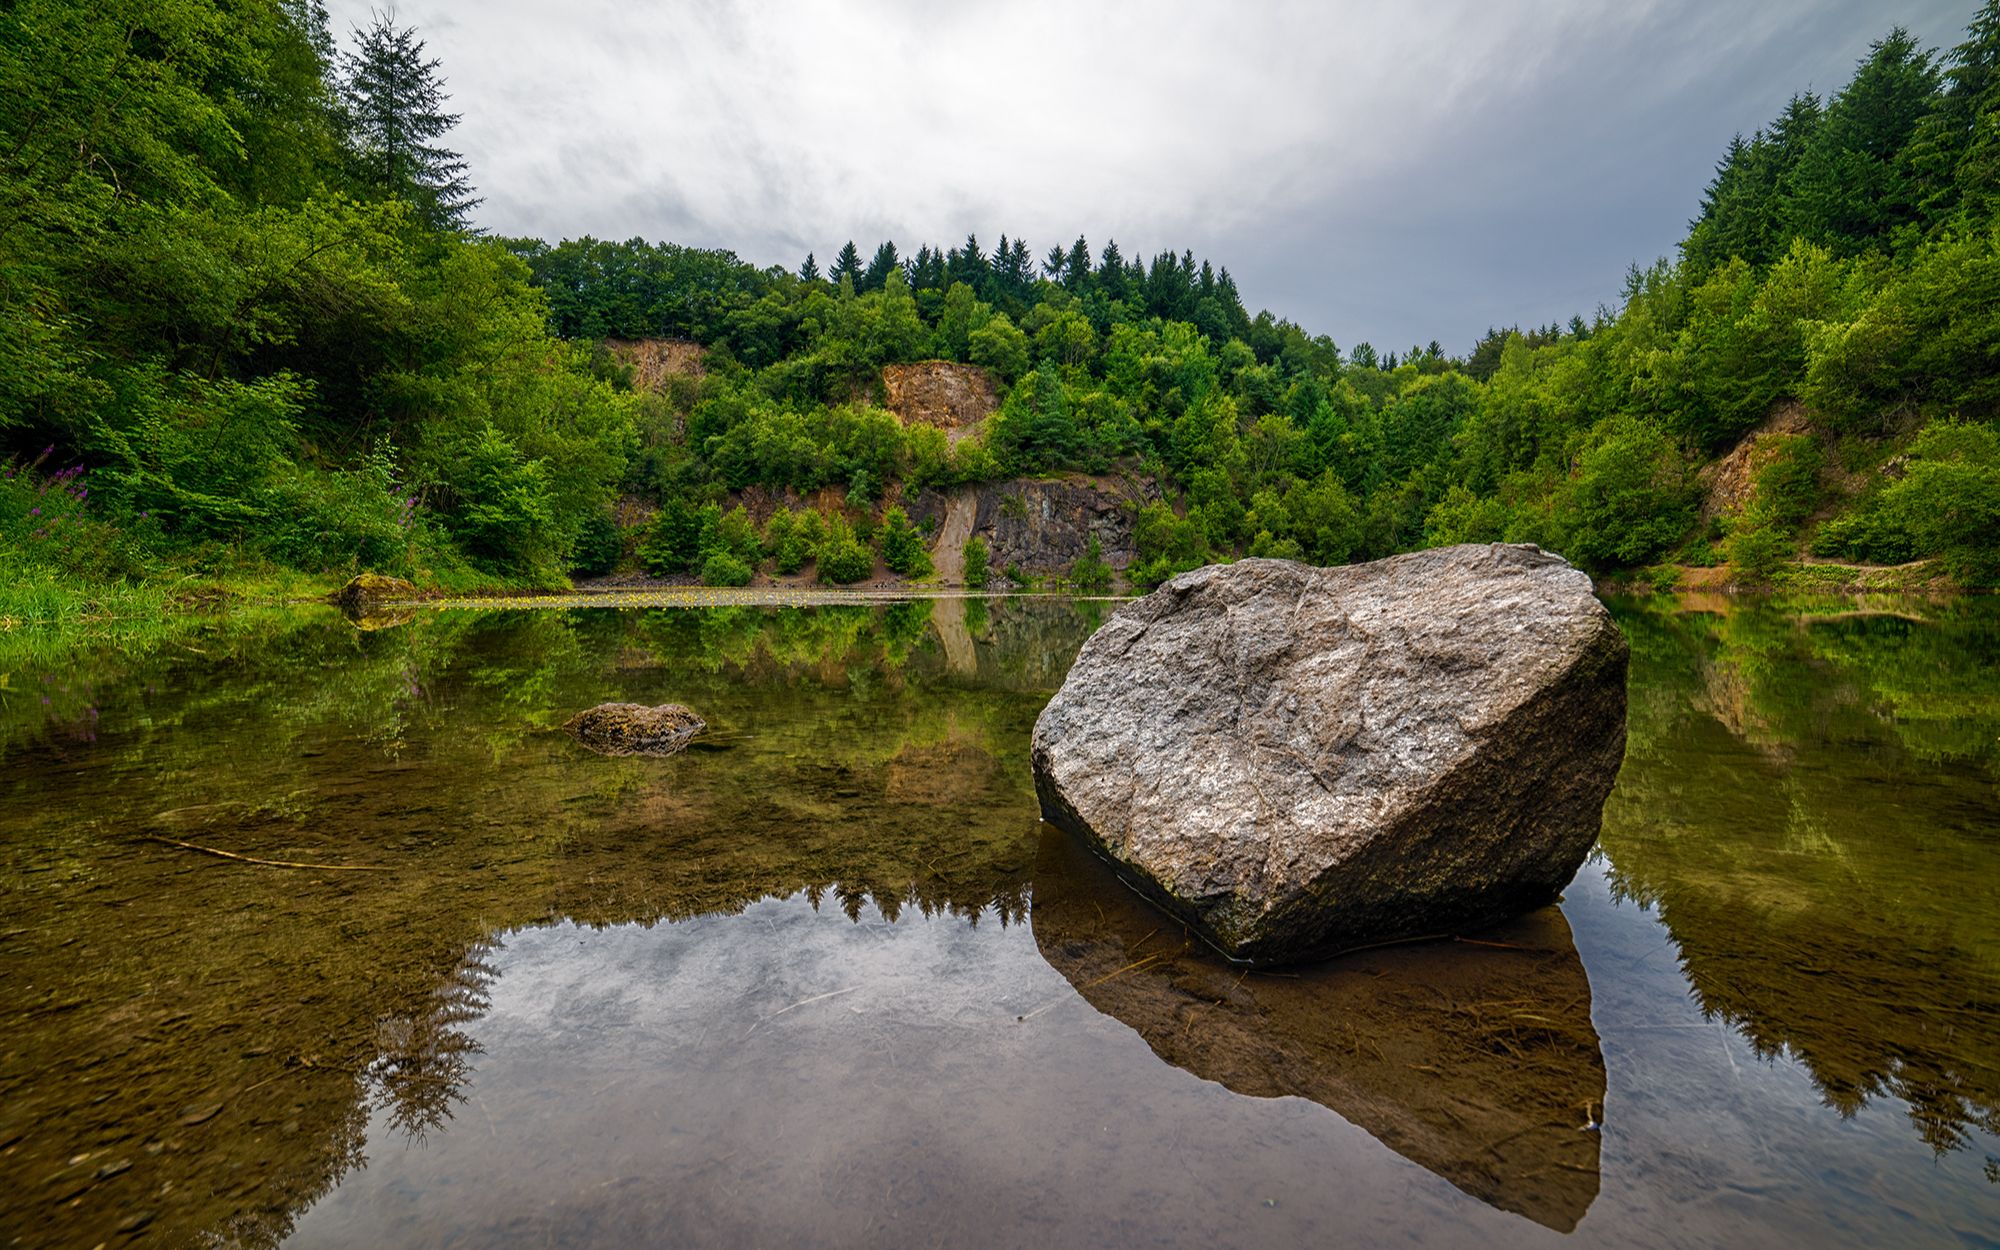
[926,272]
[1850,189]
[879,268]
[846,265]
[395,102]
[1076,268]
[967,264]
[1111,271]
[809,271]
[1954,161]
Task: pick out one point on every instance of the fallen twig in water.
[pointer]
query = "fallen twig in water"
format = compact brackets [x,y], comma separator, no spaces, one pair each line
[801,1003]
[1503,946]
[268,863]
[1150,959]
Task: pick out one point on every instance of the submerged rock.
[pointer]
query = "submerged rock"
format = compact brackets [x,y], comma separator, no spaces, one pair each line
[634,728]
[364,595]
[1299,761]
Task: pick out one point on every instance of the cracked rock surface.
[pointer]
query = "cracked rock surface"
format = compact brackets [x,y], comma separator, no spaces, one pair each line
[1298,761]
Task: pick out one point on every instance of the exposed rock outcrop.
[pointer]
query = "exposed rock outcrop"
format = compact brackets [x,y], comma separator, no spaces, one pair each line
[1044,525]
[654,361]
[366,593]
[634,728]
[1729,484]
[953,397]
[1299,760]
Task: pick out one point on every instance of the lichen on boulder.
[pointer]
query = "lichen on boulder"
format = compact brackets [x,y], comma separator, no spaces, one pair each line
[365,593]
[1299,761]
[634,728]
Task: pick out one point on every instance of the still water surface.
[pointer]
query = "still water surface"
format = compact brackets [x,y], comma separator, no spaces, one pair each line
[825,980]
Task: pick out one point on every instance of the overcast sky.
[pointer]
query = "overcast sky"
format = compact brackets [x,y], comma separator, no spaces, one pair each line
[1388,172]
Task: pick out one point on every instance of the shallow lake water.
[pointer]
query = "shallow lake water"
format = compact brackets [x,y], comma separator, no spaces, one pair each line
[824,978]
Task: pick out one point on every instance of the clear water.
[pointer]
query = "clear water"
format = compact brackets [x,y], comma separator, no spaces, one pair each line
[824,979]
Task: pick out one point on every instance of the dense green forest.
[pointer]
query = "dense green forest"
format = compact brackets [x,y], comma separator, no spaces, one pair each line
[245,324]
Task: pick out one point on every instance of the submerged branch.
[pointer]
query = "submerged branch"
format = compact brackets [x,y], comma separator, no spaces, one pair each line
[268,863]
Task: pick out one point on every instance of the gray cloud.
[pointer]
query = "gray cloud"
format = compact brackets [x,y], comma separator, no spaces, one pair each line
[1394,173]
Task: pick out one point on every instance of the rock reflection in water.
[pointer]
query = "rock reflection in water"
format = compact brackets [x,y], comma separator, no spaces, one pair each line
[1475,1060]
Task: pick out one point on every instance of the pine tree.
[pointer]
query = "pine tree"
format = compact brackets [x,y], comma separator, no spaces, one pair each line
[1849,190]
[809,271]
[879,268]
[395,103]
[1076,269]
[968,265]
[846,265]
[1111,271]
[1054,263]
[926,272]
[1954,161]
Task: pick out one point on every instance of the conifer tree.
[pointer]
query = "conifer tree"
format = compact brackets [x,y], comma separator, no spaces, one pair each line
[809,271]
[877,273]
[395,103]
[1849,188]
[1076,269]
[968,265]
[1111,272]
[847,265]
[1954,160]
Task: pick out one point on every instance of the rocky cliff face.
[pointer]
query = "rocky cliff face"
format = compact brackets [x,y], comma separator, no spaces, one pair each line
[1044,525]
[953,397]
[653,361]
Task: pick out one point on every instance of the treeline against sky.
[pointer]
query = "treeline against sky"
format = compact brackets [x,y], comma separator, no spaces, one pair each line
[1843,258]
[239,291]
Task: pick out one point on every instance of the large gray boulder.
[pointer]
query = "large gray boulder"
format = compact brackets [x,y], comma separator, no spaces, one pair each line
[1298,761]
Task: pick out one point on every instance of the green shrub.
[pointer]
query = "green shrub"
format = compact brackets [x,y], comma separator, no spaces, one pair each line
[733,532]
[1787,482]
[503,516]
[1629,498]
[1265,545]
[673,543]
[724,569]
[842,558]
[1948,500]
[1757,545]
[903,545]
[47,521]
[1090,572]
[1868,535]
[599,547]
[975,561]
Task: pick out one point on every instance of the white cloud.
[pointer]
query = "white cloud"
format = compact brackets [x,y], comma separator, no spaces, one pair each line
[1316,148]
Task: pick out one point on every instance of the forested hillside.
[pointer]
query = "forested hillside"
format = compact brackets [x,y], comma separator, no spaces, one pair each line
[245,323]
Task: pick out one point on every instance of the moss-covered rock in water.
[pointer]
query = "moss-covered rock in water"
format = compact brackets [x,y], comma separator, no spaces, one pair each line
[367,592]
[634,728]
